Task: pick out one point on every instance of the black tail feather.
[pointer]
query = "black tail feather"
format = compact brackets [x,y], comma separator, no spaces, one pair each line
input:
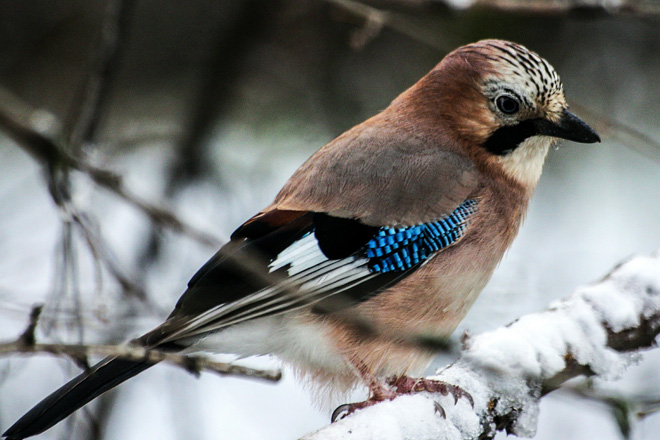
[105,375]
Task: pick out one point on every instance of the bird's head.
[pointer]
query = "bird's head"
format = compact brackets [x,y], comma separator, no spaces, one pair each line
[504,104]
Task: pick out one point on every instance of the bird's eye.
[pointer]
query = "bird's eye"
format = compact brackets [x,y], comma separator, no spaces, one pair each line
[507,105]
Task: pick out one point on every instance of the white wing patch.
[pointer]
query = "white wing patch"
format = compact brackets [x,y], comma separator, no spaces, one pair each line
[312,277]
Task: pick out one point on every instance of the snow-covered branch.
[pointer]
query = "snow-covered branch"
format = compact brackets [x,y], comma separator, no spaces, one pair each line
[595,331]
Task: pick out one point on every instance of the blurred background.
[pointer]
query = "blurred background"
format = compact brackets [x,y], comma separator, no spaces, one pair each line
[204,108]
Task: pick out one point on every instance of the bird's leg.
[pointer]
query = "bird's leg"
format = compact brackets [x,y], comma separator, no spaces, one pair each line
[379,391]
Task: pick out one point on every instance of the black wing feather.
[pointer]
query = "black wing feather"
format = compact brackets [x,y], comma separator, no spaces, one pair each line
[240,268]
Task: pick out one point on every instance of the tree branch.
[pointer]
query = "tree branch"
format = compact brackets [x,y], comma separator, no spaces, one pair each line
[192,364]
[565,7]
[541,7]
[627,135]
[593,332]
[79,353]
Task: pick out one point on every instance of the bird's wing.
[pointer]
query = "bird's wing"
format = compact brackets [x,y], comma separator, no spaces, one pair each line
[311,259]
[357,217]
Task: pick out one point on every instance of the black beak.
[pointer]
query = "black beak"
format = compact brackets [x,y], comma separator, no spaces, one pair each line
[569,127]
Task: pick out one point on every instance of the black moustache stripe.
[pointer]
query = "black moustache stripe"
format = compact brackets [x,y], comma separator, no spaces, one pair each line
[506,139]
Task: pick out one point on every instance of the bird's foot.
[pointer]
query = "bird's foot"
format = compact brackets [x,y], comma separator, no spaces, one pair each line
[398,385]
[409,385]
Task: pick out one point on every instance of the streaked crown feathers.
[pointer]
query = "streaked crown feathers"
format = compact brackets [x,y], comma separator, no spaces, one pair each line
[515,65]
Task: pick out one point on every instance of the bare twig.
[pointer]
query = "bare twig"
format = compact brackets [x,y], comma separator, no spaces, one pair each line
[565,7]
[377,18]
[27,338]
[192,364]
[648,407]
[629,136]
[38,133]
[371,29]
[26,344]
[626,408]
[89,103]
[102,253]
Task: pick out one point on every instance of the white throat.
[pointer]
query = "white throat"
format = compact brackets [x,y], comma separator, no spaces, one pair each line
[525,163]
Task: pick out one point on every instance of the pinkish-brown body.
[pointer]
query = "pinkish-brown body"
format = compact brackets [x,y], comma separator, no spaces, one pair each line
[411,164]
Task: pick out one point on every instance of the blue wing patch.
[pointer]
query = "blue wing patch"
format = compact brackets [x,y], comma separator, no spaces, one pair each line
[399,249]
[330,262]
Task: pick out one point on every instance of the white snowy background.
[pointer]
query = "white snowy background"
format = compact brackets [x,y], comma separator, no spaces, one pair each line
[293,83]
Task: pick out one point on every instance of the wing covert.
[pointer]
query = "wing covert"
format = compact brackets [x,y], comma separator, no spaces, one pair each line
[382,175]
[314,259]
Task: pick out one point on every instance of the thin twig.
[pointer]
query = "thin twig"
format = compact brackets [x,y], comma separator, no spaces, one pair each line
[377,18]
[566,7]
[87,109]
[192,364]
[37,132]
[629,136]
[26,344]
[27,338]
[102,253]
[627,408]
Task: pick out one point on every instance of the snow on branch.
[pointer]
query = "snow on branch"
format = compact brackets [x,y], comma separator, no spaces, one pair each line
[596,331]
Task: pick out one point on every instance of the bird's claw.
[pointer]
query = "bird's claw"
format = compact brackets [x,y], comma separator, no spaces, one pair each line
[399,385]
[379,393]
[439,410]
[347,409]
[409,385]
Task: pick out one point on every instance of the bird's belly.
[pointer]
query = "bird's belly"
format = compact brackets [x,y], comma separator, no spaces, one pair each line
[427,305]
[294,338]
[433,301]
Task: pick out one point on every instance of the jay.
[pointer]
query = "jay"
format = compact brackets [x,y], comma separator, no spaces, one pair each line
[382,239]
